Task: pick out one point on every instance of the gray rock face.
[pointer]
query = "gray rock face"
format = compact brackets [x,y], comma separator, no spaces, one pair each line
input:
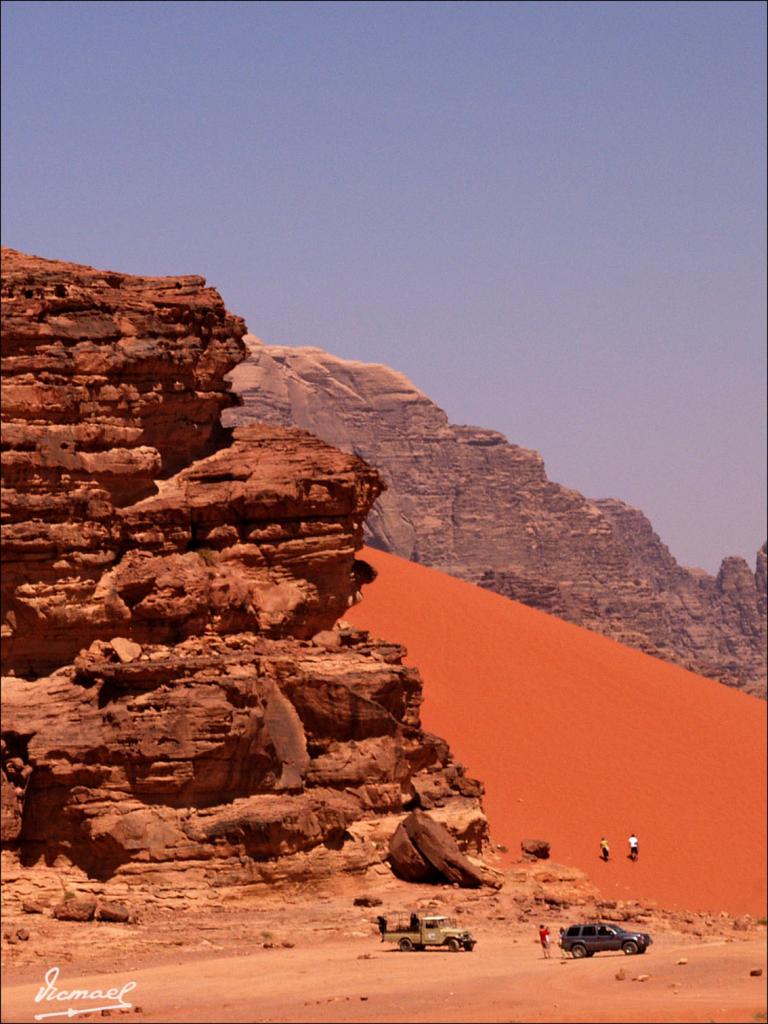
[465,501]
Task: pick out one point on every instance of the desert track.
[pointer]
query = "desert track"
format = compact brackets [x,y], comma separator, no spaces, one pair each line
[502,981]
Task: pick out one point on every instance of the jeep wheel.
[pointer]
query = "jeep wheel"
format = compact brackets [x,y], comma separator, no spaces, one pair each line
[454,945]
[630,947]
[405,945]
[578,951]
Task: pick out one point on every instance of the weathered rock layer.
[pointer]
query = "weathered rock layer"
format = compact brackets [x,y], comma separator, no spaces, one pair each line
[465,501]
[236,758]
[165,706]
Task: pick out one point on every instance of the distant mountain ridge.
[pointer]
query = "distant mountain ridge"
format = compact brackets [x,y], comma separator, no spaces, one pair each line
[464,500]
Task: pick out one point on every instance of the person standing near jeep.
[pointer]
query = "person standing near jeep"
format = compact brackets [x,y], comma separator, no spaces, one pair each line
[633,851]
[605,850]
[544,940]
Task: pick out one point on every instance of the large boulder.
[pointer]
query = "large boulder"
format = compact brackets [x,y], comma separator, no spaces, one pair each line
[420,840]
[406,861]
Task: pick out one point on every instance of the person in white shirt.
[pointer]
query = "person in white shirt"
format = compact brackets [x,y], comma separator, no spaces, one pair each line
[633,851]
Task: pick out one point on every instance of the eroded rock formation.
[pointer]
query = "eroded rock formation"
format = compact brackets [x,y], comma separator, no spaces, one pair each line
[165,706]
[235,757]
[465,501]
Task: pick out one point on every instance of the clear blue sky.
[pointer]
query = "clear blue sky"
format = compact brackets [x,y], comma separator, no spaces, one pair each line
[551,216]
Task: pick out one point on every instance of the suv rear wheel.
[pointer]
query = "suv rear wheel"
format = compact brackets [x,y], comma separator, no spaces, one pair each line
[578,950]
[405,945]
[629,947]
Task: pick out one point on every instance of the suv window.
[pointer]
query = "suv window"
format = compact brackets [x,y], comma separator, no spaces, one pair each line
[573,930]
[589,930]
[606,931]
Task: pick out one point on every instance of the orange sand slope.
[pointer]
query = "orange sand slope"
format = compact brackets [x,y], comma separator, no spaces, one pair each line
[576,736]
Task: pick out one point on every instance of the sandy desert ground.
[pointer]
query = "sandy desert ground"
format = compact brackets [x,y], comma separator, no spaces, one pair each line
[231,965]
[576,736]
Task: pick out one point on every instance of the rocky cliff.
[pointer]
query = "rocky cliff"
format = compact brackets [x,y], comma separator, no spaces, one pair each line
[466,501]
[175,696]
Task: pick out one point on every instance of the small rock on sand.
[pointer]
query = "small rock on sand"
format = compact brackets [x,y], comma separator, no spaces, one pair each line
[75,910]
[126,650]
[109,910]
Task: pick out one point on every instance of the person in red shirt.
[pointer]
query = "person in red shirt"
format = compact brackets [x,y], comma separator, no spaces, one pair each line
[544,940]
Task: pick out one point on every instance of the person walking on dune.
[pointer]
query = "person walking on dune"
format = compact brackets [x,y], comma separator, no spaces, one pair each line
[605,850]
[633,851]
[544,940]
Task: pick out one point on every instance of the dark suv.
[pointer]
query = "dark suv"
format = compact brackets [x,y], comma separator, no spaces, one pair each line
[587,939]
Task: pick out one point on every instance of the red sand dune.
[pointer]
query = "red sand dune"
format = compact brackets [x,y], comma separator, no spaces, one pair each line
[576,736]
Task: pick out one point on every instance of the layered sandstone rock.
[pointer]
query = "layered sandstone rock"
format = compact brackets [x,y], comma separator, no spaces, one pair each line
[109,383]
[237,757]
[465,501]
[259,536]
[165,706]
